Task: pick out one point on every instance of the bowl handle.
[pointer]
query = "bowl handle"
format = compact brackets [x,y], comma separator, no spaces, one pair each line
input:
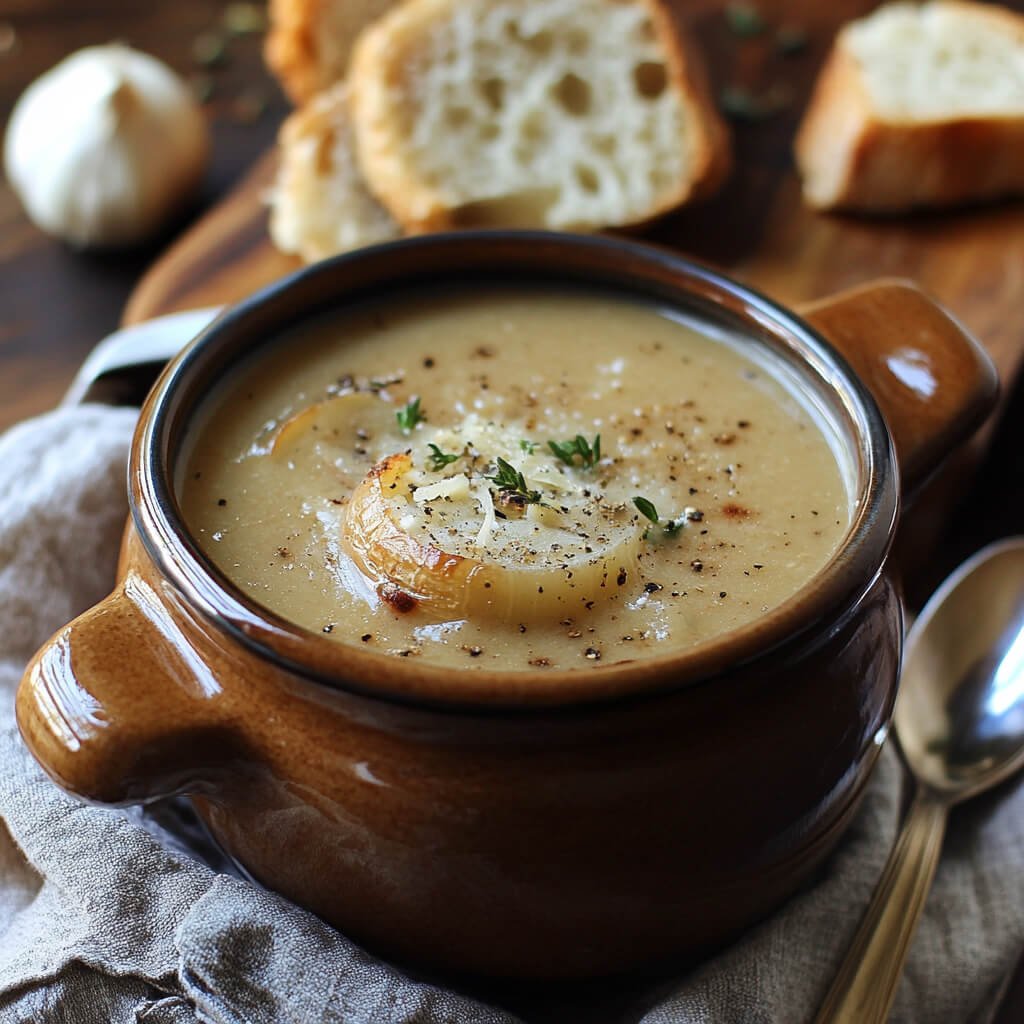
[117,706]
[933,382]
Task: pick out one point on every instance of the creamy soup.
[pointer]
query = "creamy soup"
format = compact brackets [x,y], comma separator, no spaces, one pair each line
[525,480]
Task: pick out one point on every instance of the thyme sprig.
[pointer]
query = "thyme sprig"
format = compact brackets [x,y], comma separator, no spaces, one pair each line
[508,478]
[439,459]
[589,454]
[409,415]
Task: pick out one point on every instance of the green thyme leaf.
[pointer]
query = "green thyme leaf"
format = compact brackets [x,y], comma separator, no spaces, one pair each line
[409,415]
[528,446]
[589,454]
[646,509]
[439,459]
[670,526]
[508,478]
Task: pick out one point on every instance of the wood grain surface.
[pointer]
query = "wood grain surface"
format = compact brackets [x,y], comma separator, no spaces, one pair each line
[57,303]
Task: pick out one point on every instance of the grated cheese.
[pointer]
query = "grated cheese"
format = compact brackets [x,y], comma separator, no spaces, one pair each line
[454,487]
[483,496]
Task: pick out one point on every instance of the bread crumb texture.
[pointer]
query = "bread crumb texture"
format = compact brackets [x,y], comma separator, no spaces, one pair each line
[566,114]
[940,60]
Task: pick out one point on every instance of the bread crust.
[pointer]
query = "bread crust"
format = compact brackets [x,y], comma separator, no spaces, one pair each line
[309,42]
[853,158]
[375,74]
[290,48]
[319,204]
[711,154]
[376,63]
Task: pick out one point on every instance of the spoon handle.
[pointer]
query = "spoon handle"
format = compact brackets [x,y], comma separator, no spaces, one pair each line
[865,986]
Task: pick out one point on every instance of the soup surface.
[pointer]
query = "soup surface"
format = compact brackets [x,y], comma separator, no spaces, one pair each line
[517,480]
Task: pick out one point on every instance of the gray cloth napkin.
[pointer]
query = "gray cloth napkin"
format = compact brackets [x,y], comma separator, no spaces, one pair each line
[130,915]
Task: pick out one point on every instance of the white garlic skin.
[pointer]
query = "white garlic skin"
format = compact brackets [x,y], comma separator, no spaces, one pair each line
[103,148]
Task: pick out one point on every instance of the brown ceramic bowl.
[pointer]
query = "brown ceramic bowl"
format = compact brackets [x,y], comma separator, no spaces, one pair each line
[581,822]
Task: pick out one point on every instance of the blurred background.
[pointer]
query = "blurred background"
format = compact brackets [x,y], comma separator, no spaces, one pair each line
[55,303]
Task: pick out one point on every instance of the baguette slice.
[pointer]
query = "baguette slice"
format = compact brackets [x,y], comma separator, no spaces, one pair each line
[567,114]
[917,106]
[319,204]
[309,41]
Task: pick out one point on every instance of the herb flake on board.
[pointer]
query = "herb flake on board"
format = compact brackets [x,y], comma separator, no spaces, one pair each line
[745,20]
[791,40]
[741,104]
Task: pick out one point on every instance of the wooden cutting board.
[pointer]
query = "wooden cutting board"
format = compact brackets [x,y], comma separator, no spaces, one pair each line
[972,261]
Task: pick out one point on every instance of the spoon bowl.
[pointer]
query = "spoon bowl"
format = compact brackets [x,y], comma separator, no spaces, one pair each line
[960,712]
[959,721]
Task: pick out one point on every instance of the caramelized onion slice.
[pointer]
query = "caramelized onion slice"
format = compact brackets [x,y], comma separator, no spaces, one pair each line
[504,581]
[334,420]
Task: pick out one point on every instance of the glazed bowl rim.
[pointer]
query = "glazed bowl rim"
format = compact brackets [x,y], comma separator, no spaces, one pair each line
[805,619]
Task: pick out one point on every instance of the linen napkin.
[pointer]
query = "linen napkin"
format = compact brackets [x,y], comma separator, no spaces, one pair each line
[133,916]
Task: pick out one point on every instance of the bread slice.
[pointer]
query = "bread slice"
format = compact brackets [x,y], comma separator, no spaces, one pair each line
[319,204]
[566,114]
[309,41]
[917,106]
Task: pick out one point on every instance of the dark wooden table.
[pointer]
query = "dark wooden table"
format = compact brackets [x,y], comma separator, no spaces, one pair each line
[55,303]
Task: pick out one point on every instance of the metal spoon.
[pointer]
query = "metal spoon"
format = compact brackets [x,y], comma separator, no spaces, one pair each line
[960,722]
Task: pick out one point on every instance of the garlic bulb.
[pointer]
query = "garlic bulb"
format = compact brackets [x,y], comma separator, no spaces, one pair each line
[105,146]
